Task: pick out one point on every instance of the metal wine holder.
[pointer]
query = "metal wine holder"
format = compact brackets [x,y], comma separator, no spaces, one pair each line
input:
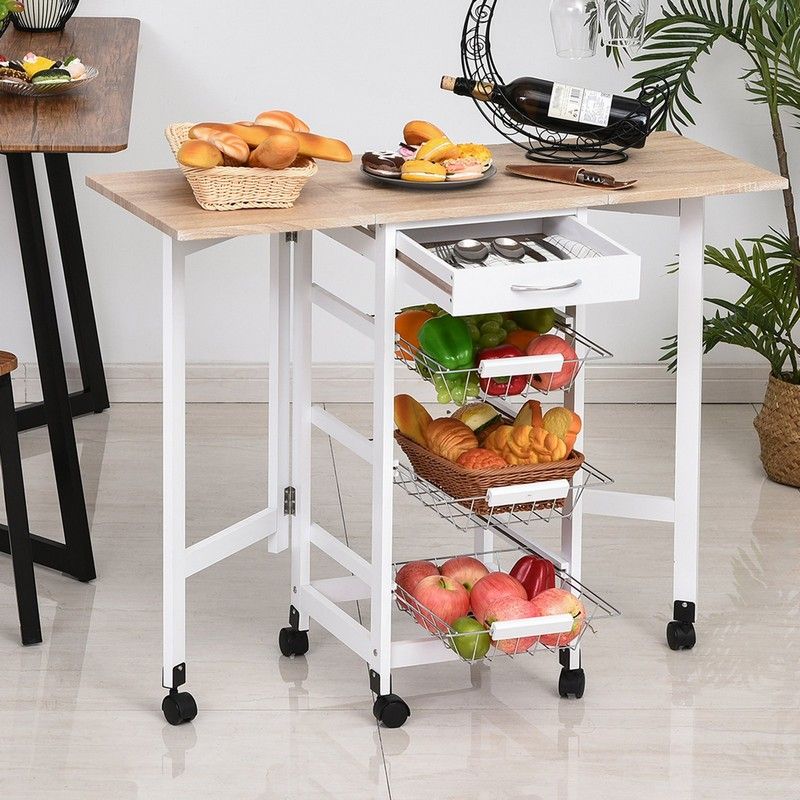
[594,146]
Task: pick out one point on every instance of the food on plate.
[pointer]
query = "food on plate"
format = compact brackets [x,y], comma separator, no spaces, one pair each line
[511,608]
[520,338]
[383,163]
[523,444]
[464,569]
[33,64]
[41,70]
[450,438]
[311,144]
[437,149]
[444,597]
[550,344]
[559,601]
[480,459]
[423,172]
[276,152]
[481,153]
[407,325]
[540,320]
[480,417]
[409,575]
[407,151]
[530,414]
[51,76]
[462,169]
[235,151]
[75,67]
[536,574]
[563,423]
[447,341]
[493,587]
[505,386]
[472,640]
[12,70]
[199,154]
[412,419]
[418,132]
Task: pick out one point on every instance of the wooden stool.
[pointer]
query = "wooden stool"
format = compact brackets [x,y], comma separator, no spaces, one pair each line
[14,492]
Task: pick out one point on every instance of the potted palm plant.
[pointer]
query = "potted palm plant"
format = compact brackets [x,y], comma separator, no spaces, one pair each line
[765,317]
[7,8]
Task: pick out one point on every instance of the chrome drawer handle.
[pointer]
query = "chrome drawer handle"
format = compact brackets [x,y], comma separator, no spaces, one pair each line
[516,287]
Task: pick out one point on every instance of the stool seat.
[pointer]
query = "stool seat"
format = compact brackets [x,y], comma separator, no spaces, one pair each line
[8,362]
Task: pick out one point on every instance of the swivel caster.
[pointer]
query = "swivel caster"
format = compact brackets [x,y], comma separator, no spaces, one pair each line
[391,710]
[571,682]
[293,642]
[179,707]
[681,635]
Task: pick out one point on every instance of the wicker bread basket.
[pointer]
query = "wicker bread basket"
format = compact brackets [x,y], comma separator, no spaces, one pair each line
[234,188]
[466,484]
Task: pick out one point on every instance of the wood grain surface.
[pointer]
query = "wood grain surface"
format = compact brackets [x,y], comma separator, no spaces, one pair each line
[8,362]
[92,119]
[670,167]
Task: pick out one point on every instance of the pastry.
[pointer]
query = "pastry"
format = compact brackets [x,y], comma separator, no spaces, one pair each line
[205,130]
[12,70]
[32,64]
[385,163]
[277,151]
[310,144]
[199,154]
[277,119]
[479,151]
[75,67]
[449,438]
[437,150]
[234,150]
[50,76]
[418,132]
[407,151]
[423,172]
[463,169]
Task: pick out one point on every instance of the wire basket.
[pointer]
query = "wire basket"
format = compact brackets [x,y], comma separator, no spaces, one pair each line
[40,16]
[236,188]
[467,646]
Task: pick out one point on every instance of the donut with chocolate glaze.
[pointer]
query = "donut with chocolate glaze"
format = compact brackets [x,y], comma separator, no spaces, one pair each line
[384,163]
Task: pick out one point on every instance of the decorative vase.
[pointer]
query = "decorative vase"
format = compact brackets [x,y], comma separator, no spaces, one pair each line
[778,426]
[574,27]
[40,16]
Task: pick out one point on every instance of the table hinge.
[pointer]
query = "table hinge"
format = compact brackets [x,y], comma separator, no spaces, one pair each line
[289,501]
[291,236]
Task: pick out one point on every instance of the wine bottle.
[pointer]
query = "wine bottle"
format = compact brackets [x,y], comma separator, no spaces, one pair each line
[564,108]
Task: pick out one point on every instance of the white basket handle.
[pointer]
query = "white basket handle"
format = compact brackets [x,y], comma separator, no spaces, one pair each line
[523,365]
[527,493]
[531,626]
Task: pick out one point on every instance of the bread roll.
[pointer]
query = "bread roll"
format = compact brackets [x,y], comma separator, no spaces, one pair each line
[310,144]
[300,126]
[418,132]
[277,151]
[205,130]
[276,119]
[233,147]
[199,154]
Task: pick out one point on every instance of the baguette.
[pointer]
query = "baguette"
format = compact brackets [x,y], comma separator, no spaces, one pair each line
[311,144]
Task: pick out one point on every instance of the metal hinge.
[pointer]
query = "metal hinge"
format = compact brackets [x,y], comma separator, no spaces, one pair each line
[291,236]
[289,501]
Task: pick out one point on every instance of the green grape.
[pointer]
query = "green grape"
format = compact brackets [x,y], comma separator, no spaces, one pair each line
[474,332]
[491,339]
[498,318]
[490,326]
[509,325]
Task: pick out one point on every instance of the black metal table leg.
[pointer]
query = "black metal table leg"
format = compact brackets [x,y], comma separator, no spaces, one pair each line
[93,397]
[16,510]
[76,553]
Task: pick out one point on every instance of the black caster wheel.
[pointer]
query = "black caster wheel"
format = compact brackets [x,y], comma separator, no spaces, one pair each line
[681,635]
[293,642]
[572,682]
[179,707]
[391,710]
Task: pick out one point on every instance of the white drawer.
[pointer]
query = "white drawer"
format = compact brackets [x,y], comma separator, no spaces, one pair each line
[612,275]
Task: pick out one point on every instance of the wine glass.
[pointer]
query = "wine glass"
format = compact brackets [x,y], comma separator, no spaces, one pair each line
[622,23]
[574,27]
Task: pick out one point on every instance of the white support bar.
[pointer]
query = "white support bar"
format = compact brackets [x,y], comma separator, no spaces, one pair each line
[313,603]
[524,365]
[519,535]
[230,541]
[359,240]
[627,505]
[342,432]
[414,652]
[342,590]
[190,248]
[340,552]
[527,493]
[531,626]
[342,310]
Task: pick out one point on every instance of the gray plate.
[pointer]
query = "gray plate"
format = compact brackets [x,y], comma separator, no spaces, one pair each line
[400,184]
[10,86]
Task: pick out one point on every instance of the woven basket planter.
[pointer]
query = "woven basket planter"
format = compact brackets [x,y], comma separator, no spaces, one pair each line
[236,188]
[468,484]
[778,426]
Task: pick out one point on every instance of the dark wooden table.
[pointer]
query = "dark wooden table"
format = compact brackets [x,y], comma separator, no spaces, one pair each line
[93,119]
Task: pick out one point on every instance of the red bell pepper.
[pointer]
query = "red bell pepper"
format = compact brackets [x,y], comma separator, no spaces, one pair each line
[504,386]
[535,574]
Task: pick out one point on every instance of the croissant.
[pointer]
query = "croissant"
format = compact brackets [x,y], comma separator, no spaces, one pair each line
[450,438]
[524,444]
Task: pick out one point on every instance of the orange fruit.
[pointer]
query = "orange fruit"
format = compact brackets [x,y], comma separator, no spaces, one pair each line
[520,338]
[406,326]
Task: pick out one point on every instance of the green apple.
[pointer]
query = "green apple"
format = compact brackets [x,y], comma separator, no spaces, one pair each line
[474,641]
[540,320]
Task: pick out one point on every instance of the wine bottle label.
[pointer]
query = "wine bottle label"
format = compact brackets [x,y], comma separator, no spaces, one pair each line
[580,105]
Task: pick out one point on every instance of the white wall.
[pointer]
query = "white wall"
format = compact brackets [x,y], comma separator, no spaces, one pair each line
[356,71]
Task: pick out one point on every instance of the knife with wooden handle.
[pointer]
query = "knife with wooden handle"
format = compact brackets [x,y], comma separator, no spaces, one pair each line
[564,173]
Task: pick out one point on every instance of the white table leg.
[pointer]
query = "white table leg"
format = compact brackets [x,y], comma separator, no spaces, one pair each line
[688,408]
[174,444]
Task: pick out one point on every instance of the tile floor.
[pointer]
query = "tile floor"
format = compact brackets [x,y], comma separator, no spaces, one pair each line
[80,718]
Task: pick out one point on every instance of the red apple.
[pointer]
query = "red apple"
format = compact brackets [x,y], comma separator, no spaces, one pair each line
[409,575]
[506,608]
[493,587]
[444,597]
[559,601]
[464,569]
[550,344]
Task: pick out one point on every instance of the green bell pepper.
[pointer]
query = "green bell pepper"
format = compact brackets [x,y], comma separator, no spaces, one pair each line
[447,340]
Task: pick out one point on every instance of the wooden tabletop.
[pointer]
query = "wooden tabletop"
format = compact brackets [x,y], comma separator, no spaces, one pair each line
[92,119]
[670,167]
